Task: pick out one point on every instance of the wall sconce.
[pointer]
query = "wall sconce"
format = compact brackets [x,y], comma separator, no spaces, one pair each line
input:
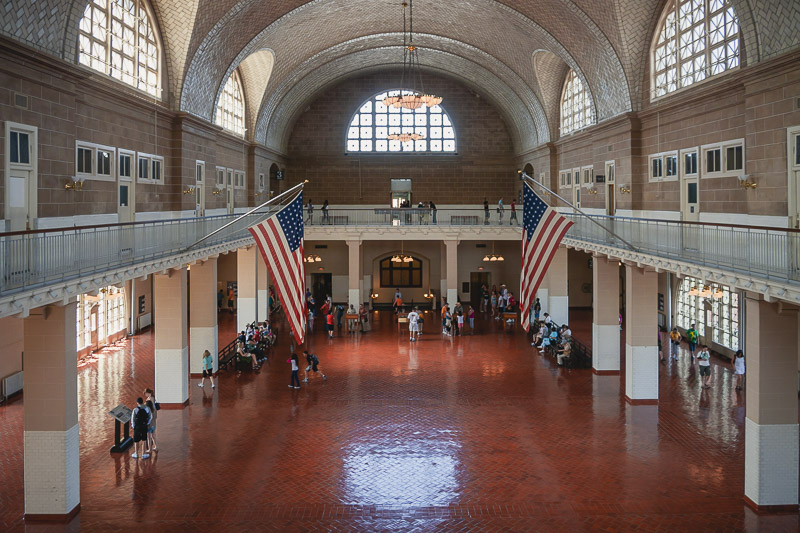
[623,189]
[73,185]
[746,183]
[190,190]
[591,191]
[373,295]
[216,192]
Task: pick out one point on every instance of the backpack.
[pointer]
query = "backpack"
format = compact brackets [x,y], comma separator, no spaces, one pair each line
[692,334]
[141,416]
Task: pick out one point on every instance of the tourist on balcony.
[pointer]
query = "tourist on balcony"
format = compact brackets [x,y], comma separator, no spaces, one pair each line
[310,208]
[738,368]
[326,219]
[433,211]
[500,209]
[485,212]
[513,213]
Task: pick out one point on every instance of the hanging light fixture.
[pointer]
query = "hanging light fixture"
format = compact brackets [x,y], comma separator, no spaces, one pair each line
[706,292]
[402,257]
[311,258]
[415,97]
[493,256]
[693,291]
[718,293]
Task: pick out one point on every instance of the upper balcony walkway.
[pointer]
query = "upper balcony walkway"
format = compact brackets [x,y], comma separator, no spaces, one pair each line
[42,266]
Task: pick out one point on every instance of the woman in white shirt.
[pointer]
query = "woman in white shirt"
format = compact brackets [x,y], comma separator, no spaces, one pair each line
[738,368]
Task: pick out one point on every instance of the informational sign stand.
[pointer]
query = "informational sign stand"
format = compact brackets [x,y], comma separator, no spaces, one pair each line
[122,418]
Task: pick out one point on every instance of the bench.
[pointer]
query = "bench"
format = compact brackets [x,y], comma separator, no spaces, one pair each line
[464,220]
[509,326]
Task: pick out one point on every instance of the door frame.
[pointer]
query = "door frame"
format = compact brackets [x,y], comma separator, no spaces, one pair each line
[793,185]
[230,191]
[684,180]
[200,188]
[32,192]
[130,181]
[610,169]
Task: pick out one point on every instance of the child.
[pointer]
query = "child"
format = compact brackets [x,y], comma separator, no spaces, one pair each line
[738,368]
[295,380]
[313,365]
[329,319]
[208,369]
[460,323]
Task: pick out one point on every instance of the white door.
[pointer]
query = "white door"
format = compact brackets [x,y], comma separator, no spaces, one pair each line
[21,177]
[576,190]
[200,189]
[690,185]
[126,204]
[229,190]
[611,198]
[793,151]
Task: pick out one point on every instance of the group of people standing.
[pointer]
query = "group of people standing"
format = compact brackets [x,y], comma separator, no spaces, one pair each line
[703,357]
[501,211]
[454,323]
[498,301]
[143,424]
[333,315]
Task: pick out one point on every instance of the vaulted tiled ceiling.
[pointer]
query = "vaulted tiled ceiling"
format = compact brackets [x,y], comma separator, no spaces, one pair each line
[489,45]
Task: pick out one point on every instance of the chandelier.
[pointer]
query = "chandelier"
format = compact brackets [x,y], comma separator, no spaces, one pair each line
[402,257]
[415,97]
[311,258]
[493,256]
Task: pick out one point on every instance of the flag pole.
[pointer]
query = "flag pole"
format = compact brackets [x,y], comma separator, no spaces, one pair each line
[271,200]
[578,209]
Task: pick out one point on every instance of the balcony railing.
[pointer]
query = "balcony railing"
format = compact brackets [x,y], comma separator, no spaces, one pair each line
[40,258]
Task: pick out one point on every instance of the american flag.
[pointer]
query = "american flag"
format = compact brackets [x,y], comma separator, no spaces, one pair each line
[280,239]
[542,231]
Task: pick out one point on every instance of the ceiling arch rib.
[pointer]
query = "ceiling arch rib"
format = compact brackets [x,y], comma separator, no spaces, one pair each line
[479,23]
[497,70]
[286,103]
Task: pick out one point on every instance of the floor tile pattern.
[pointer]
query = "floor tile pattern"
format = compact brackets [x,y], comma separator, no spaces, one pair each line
[472,433]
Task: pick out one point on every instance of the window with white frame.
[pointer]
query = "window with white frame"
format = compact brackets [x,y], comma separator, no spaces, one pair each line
[374,122]
[723,159]
[576,173]
[230,107]
[717,316]
[697,39]
[239,178]
[588,176]
[229,182]
[261,182]
[125,166]
[94,161]
[663,166]
[220,176]
[562,179]
[577,111]
[103,314]
[119,38]
[689,162]
[151,168]
[19,147]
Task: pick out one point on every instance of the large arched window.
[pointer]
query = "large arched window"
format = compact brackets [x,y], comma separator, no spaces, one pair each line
[399,274]
[230,108]
[118,38]
[373,122]
[576,105]
[697,39]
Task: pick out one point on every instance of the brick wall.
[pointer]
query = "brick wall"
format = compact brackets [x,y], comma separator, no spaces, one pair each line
[484,165]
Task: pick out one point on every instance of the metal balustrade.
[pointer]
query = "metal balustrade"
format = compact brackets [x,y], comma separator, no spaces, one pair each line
[34,259]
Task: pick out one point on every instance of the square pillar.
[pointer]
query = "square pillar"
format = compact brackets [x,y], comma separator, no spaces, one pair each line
[451,247]
[172,350]
[52,458]
[262,287]
[354,273]
[558,285]
[605,316]
[771,431]
[245,286]
[203,328]
[641,341]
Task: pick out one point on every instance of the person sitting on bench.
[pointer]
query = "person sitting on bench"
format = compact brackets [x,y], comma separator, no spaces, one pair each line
[564,352]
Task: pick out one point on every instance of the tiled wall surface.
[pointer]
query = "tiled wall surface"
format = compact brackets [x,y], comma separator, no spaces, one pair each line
[52,471]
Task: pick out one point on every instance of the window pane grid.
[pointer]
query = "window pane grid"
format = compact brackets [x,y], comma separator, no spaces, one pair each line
[576,105]
[116,37]
[374,122]
[699,38]
[230,108]
[716,319]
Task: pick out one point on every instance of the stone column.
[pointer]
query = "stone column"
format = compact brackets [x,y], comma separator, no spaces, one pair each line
[452,271]
[245,286]
[771,431]
[172,350]
[262,285]
[354,273]
[558,285]
[605,316]
[641,335]
[52,458]
[203,328]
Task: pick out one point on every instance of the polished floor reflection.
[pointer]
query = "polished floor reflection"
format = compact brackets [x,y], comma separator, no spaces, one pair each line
[466,433]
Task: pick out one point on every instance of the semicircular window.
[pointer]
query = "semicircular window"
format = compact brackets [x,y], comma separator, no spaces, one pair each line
[374,128]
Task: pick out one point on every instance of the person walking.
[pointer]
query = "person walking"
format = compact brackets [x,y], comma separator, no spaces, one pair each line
[310,208]
[294,383]
[691,337]
[674,343]
[339,315]
[150,403]
[220,299]
[500,209]
[513,213]
[471,317]
[413,325]
[140,420]
[738,368]
[485,212]
[362,318]
[313,364]
[704,362]
[231,298]
[460,322]
[484,298]
[326,219]
[448,321]
[433,211]
[329,323]
[208,369]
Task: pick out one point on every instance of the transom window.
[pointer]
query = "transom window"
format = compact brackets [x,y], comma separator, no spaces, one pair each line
[374,122]
[118,38]
[576,105]
[697,39]
[230,108]
[401,274]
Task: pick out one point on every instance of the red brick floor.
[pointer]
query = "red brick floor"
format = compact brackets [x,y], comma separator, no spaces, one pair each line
[446,434]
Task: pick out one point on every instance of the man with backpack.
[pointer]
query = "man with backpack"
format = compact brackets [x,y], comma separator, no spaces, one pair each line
[313,365]
[140,420]
[691,336]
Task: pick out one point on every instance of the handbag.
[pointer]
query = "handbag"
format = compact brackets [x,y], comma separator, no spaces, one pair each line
[157,406]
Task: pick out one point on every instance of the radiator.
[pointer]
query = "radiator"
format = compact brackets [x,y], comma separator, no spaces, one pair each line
[11,384]
[145,320]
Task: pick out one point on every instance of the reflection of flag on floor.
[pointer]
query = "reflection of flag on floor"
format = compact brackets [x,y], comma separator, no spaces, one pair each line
[280,239]
[542,231]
